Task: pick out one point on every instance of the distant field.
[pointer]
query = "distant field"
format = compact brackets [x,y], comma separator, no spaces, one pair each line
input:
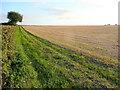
[95,41]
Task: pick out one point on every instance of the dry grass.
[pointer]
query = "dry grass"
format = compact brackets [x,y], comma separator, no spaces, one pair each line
[92,40]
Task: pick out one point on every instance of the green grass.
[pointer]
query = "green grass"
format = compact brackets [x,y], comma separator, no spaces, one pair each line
[32,62]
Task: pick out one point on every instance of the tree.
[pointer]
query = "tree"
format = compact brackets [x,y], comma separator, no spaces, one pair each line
[14,17]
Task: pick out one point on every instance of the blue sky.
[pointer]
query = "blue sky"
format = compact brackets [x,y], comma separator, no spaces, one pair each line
[62,12]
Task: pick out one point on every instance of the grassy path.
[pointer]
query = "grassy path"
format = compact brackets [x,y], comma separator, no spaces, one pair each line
[36,62]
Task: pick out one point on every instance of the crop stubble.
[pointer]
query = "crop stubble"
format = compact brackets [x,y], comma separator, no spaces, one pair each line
[101,40]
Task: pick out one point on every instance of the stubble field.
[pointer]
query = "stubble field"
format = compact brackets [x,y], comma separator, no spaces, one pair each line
[95,41]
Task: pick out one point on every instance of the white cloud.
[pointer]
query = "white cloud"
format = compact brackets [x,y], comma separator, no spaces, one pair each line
[99,12]
[55,11]
[38,4]
[103,3]
[91,16]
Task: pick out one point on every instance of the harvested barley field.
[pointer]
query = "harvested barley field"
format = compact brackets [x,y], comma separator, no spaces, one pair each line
[94,41]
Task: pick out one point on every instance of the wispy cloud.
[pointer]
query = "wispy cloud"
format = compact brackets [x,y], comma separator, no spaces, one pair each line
[38,4]
[86,17]
[55,11]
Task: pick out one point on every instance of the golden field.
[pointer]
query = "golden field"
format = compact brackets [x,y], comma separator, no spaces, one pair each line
[95,41]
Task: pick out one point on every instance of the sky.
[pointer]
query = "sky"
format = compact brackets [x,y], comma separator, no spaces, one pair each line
[62,12]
